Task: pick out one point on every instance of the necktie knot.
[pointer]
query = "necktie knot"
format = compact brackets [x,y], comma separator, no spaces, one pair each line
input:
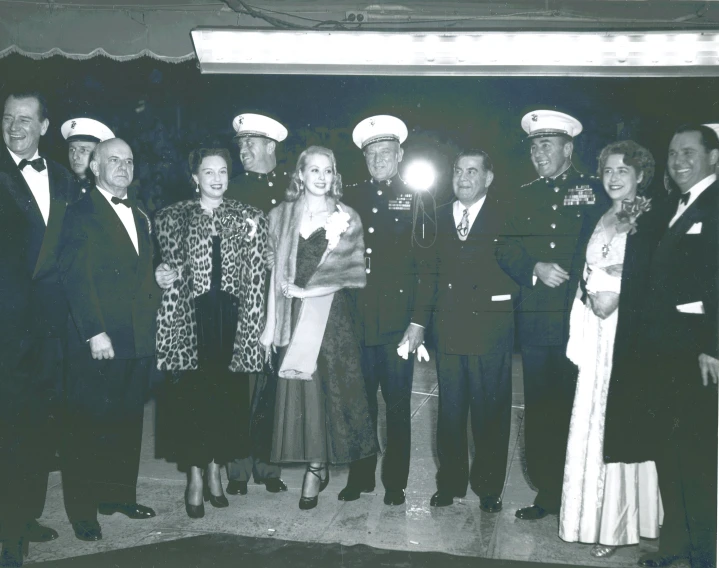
[38,164]
[463,227]
[117,201]
[684,198]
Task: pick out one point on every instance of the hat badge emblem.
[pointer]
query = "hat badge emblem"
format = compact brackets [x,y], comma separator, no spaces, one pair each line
[372,122]
[73,124]
[535,118]
[240,121]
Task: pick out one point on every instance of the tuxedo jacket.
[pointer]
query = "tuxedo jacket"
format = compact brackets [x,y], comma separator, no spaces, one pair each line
[110,287]
[31,298]
[469,296]
[681,308]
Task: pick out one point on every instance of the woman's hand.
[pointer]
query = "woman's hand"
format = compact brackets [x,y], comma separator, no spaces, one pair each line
[292,291]
[165,276]
[603,304]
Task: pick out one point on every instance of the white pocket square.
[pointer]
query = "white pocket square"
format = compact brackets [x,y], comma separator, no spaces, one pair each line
[695,229]
[691,307]
[502,298]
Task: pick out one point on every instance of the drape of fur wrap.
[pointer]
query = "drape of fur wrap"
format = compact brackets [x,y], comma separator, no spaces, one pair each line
[343,266]
[184,233]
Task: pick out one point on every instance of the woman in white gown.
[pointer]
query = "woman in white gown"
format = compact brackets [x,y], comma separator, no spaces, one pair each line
[610,504]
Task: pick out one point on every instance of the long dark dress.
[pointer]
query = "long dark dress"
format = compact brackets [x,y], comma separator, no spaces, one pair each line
[326,419]
[211,401]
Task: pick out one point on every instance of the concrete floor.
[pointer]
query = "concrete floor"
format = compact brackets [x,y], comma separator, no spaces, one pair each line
[461,529]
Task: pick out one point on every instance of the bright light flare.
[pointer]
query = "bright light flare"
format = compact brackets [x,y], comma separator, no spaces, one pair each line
[420,175]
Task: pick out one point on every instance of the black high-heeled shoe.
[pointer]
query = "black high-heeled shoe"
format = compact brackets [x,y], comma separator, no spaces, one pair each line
[307,503]
[219,502]
[193,511]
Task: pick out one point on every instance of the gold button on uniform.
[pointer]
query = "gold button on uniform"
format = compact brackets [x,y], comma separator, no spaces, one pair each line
[556,190]
[553,225]
[554,206]
[552,245]
[449,285]
[374,210]
[371,229]
[369,251]
[379,192]
[274,202]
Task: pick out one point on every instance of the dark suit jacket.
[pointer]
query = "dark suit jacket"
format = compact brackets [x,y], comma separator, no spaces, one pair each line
[109,287]
[462,280]
[386,305]
[32,303]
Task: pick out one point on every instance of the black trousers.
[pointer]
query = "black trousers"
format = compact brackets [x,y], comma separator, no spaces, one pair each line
[29,422]
[382,367]
[103,434]
[687,463]
[482,384]
[550,380]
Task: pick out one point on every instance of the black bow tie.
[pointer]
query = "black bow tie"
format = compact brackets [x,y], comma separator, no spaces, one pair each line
[38,164]
[684,197]
[126,202]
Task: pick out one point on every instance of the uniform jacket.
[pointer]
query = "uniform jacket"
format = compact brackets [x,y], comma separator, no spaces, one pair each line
[469,295]
[110,288]
[544,226]
[263,191]
[31,297]
[184,232]
[392,258]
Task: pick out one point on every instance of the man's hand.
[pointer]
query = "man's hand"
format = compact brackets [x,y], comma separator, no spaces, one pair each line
[551,274]
[603,303]
[414,335]
[101,347]
[709,367]
[165,276]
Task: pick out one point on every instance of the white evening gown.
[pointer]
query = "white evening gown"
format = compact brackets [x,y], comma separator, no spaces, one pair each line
[611,504]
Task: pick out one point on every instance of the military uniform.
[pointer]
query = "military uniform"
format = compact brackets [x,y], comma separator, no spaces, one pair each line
[264,191]
[385,307]
[544,228]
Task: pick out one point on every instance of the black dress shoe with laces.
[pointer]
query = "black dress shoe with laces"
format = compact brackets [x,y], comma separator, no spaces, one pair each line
[441,499]
[236,487]
[394,497]
[87,530]
[130,510]
[13,552]
[352,493]
[532,513]
[274,484]
[490,504]
[35,532]
[658,560]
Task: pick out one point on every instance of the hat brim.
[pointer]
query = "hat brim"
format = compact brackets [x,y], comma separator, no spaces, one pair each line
[83,138]
[549,133]
[248,133]
[380,138]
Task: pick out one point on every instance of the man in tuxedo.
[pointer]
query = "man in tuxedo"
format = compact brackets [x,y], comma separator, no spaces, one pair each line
[681,354]
[34,193]
[106,263]
[471,298]
[545,223]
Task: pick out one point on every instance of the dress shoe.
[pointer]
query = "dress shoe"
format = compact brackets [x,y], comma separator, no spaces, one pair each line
[87,530]
[131,510]
[274,484]
[657,559]
[194,511]
[394,497]
[352,493]
[307,503]
[35,532]
[441,499]
[532,513]
[236,487]
[217,501]
[602,551]
[490,504]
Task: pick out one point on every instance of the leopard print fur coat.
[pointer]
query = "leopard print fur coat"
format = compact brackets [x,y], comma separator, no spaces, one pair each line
[184,233]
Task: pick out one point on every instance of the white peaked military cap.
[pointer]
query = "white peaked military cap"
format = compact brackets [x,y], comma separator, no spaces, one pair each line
[86,129]
[249,124]
[378,128]
[714,126]
[550,123]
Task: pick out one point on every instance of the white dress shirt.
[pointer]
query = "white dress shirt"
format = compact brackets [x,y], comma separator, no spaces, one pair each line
[39,184]
[473,211]
[125,214]
[694,192]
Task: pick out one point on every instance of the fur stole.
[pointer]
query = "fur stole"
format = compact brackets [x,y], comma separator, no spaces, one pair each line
[342,266]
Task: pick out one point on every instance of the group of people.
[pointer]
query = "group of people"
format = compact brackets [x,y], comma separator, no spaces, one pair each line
[278,302]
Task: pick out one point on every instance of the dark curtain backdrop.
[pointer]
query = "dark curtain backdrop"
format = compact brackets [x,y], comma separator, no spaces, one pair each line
[164,110]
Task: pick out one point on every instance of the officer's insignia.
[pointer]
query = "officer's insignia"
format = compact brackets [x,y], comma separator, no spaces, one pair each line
[535,118]
[72,125]
[401,203]
[240,121]
[564,176]
[580,195]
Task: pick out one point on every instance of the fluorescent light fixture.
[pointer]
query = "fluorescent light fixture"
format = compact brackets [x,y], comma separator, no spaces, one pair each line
[459,53]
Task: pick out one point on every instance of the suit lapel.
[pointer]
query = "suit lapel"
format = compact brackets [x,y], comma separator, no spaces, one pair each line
[19,189]
[693,214]
[59,199]
[144,244]
[112,225]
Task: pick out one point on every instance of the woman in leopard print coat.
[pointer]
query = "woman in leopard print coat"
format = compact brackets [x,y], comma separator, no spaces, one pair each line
[209,323]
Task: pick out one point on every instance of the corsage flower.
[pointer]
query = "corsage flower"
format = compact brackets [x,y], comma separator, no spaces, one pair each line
[631,211]
[336,224]
[238,226]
